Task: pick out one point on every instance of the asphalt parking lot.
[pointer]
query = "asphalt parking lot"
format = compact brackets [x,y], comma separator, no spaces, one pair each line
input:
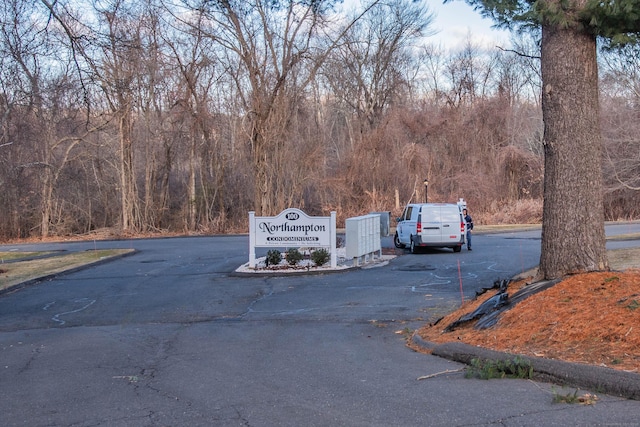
[170,336]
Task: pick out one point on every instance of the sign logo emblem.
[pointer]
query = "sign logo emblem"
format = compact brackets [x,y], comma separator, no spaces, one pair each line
[292,216]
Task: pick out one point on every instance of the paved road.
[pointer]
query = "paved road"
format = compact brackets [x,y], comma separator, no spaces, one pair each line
[171,337]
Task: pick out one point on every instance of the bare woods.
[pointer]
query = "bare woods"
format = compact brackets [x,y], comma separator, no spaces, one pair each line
[148,116]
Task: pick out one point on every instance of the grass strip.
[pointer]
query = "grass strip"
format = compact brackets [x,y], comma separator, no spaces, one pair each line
[14,273]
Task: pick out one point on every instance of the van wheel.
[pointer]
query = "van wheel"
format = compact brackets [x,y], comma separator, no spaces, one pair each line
[414,248]
[396,241]
[457,248]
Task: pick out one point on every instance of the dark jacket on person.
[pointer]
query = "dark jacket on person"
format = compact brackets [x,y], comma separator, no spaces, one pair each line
[469,222]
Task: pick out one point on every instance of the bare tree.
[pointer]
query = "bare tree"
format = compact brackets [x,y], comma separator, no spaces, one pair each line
[270,42]
[367,71]
[468,73]
[621,96]
[117,70]
[371,75]
[40,68]
[196,60]
[432,60]
[187,117]
[111,53]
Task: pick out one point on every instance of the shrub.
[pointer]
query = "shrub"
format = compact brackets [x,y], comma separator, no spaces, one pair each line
[487,369]
[293,256]
[273,257]
[320,256]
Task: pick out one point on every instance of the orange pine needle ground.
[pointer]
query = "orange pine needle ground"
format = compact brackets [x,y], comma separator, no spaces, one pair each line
[591,318]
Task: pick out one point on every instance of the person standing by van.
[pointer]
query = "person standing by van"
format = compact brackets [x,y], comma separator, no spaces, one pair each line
[469,221]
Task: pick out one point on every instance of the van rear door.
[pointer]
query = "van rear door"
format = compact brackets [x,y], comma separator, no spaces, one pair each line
[431,224]
[450,216]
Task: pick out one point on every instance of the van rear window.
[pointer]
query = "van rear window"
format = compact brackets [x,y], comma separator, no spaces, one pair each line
[450,216]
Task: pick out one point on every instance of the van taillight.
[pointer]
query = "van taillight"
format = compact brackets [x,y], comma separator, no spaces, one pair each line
[418,226]
[462,227]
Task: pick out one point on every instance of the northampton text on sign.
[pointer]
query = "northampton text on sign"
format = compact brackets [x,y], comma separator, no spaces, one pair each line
[291,227]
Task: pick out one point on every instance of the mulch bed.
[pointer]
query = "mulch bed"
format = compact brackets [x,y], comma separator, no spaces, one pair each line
[591,318]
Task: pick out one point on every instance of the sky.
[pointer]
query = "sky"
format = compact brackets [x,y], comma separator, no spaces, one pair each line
[455,20]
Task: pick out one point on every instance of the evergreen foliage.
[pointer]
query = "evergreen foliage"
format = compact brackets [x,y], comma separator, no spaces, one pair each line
[617,22]
[293,256]
[320,257]
[274,257]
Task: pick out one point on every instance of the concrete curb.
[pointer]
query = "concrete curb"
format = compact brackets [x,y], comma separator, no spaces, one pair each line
[595,378]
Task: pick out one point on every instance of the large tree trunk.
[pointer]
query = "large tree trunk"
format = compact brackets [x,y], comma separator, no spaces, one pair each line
[573,238]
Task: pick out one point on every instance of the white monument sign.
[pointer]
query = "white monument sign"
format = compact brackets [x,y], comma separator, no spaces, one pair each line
[292,228]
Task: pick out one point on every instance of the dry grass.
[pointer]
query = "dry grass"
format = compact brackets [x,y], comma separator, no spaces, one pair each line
[591,318]
[16,255]
[14,273]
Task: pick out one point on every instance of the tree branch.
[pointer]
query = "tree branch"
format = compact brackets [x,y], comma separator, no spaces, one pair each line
[524,55]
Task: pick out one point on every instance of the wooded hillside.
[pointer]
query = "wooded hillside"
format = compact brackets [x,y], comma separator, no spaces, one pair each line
[149,116]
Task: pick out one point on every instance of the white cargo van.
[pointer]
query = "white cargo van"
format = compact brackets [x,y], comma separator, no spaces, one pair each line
[438,225]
